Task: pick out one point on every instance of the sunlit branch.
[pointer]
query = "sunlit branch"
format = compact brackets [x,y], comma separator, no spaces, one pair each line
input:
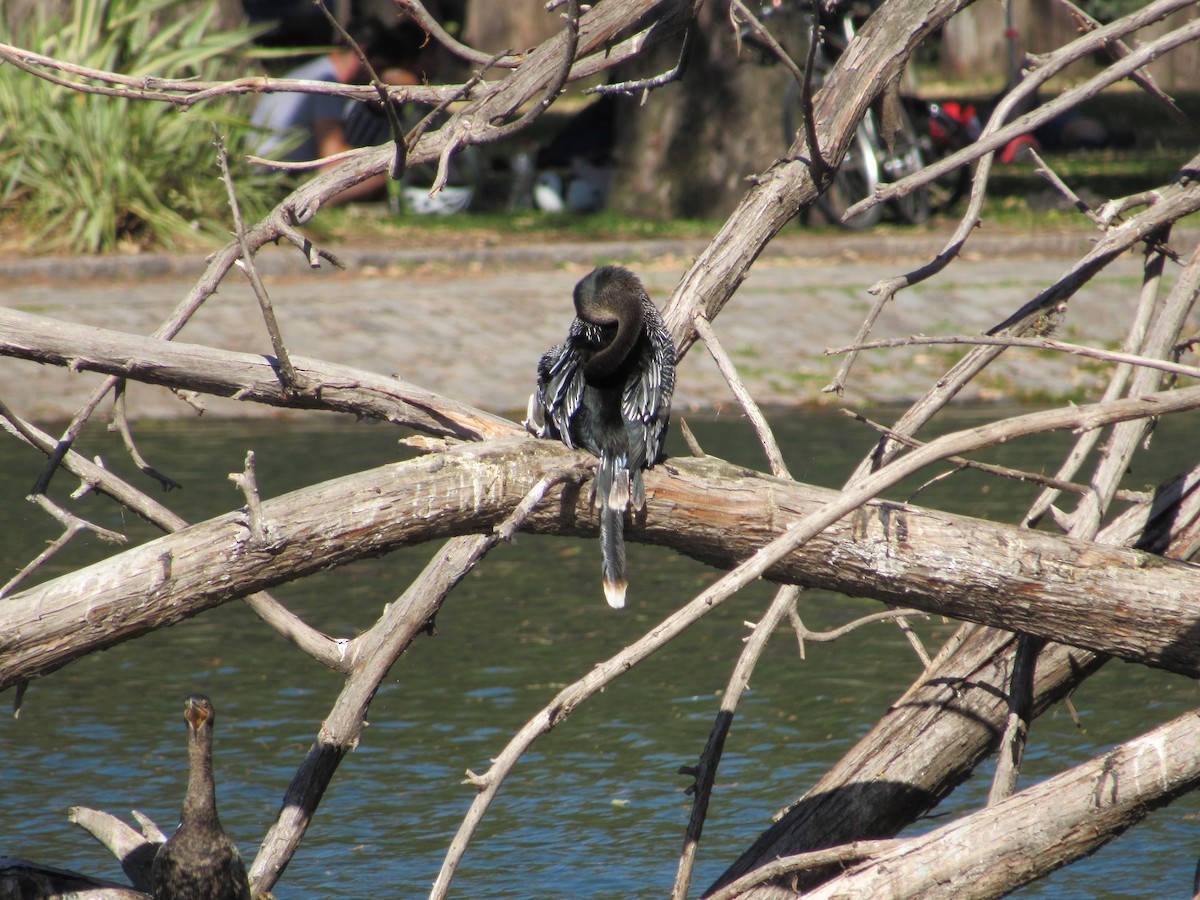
[863,490]
[784,865]
[120,423]
[1178,200]
[645,85]
[1113,356]
[316,644]
[1084,522]
[761,428]
[389,109]
[187,92]
[804,633]
[287,373]
[1119,49]
[373,655]
[1068,99]
[992,469]
[434,28]
[562,71]
[704,773]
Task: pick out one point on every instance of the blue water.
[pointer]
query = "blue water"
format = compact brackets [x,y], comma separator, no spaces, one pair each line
[597,809]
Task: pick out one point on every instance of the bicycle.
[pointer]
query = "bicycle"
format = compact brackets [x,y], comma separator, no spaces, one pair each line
[869,161]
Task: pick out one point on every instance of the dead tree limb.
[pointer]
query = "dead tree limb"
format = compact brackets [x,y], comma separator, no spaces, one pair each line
[244,376]
[787,185]
[994,851]
[1097,597]
[933,736]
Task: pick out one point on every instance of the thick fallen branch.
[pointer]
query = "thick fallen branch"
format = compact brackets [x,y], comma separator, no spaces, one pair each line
[989,853]
[932,737]
[23,878]
[935,734]
[928,742]
[1096,597]
[135,849]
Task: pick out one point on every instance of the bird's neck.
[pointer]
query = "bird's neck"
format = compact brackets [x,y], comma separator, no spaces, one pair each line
[201,799]
[629,329]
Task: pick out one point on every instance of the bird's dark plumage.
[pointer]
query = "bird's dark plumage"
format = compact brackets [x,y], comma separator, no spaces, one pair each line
[607,389]
[199,862]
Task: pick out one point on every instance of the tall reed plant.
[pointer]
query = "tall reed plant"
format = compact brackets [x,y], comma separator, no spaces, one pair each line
[88,172]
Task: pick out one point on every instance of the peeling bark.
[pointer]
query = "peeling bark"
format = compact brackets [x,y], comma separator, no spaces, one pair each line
[1093,596]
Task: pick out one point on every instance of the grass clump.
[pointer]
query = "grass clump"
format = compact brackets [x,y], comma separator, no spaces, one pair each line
[89,172]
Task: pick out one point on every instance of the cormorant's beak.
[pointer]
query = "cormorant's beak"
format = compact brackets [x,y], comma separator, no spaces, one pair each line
[195,713]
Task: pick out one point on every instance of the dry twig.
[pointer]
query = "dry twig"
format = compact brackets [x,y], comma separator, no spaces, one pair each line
[704,773]
[287,373]
[765,436]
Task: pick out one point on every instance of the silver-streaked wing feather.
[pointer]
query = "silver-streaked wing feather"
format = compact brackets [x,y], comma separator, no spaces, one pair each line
[560,389]
[646,401]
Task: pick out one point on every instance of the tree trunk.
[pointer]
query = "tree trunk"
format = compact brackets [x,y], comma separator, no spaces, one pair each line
[516,25]
[688,150]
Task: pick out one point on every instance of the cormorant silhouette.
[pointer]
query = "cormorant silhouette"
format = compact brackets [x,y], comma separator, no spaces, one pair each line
[607,389]
[199,862]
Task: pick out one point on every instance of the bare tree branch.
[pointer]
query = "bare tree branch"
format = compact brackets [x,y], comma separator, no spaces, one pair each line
[120,424]
[753,413]
[704,772]
[1122,602]
[1086,807]
[243,376]
[1113,356]
[287,374]
[1142,77]
[152,585]
[1001,471]
[1068,99]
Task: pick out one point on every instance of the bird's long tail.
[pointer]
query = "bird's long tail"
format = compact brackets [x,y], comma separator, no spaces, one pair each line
[612,542]
[612,496]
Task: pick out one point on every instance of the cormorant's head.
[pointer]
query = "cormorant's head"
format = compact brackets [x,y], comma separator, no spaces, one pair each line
[605,293]
[198,710]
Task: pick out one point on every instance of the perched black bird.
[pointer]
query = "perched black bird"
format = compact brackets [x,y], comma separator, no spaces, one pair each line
[607,389]
[199,862]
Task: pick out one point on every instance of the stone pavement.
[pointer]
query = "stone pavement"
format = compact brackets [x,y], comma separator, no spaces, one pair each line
[471,323]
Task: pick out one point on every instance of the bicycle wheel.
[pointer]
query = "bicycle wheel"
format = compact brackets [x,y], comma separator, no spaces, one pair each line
[905,159]
[855,178]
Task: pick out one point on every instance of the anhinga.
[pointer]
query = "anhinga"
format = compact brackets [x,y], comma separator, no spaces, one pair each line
[199,862]
[607,389]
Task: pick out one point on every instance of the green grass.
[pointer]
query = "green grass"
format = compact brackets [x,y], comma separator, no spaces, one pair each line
[359,223]
[90,173]
[86,172]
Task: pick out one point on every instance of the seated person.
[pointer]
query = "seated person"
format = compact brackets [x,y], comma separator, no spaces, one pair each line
[303,127]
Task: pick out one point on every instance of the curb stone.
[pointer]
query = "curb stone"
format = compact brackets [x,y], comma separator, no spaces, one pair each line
[797,245]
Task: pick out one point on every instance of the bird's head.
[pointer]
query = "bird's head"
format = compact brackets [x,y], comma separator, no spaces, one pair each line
[605,294]
[198,710]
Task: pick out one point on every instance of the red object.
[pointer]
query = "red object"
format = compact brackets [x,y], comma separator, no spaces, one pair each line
[1012,150]
[962,113]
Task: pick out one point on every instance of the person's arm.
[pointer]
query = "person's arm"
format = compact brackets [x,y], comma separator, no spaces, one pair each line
[331,139]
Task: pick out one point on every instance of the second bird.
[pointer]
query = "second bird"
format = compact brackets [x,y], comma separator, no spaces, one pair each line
[607,389]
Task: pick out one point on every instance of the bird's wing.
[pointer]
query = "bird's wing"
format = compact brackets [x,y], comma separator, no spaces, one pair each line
[646,402]
[560,390]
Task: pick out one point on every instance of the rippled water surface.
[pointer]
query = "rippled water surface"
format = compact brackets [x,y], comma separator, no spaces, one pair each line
[597,809]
